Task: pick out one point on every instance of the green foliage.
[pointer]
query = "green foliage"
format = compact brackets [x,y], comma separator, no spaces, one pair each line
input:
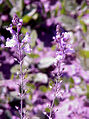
[56,101]
[84,53]
[32,55]
[71,97]
[9,3]
[47,110]
[43,88]
[68,22]
[26,18]
[45,62]
[84,26]
[24,30]
[34,37]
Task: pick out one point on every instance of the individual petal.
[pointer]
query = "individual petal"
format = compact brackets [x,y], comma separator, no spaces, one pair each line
[27,48]
[67,35]
[10,29]
[26,39]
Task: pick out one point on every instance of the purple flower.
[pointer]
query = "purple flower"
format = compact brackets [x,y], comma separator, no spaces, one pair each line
[24,43]
[27,48]
[11,42]
[10,29]
[15,20]
[26,39]
[63,47]
[19,25]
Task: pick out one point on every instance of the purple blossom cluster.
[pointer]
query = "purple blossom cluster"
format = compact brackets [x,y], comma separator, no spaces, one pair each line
[64,47]
[15,41]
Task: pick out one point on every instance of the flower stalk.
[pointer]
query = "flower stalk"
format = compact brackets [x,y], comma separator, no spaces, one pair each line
[63,48]
[21,46]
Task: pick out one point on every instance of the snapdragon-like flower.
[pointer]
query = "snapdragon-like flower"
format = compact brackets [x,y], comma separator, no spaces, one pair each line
[16,40]
[27,48]
[10,28]
[64,46]
[12,42]
[26,39]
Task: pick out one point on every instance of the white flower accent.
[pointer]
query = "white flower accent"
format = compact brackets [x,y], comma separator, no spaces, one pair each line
[27,48]
[26,39]
[67,35]
[11,42]
[10,29]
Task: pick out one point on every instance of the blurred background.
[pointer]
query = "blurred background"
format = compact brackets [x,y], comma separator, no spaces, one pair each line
[40,18]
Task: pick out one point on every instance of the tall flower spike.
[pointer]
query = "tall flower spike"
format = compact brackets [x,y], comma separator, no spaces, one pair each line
[64,45]
[22,46]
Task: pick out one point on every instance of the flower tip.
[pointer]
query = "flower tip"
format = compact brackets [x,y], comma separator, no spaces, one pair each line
[20,20]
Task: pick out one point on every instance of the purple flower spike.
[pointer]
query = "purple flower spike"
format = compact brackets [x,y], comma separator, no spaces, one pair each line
[64,46]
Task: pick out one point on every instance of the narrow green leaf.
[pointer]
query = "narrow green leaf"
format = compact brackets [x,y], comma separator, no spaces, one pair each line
[26,18]
[84,26]
[9,3]
[32,55]
[43,89]
[84,53]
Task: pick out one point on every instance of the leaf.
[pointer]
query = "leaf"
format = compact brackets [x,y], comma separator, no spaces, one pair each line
[26,18]
[68,22]
[43,89]
[31,87]
[27,61]
[71,97]
[63,10]
[56,102]
[46,62]
[53,47]
[84,26]
[71,80]
[16,69]
[24,30]
[18,8]
[47,110]
[84,53]
[33,36]
[35,16]
[70,5]
[41,77]
[32,55]
[0,22]
[56,10]
[87,88]
[9,3]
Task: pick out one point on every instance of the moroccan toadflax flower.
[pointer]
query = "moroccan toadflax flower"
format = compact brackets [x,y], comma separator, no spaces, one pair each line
[16,41]
[63,47]
[21,44]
